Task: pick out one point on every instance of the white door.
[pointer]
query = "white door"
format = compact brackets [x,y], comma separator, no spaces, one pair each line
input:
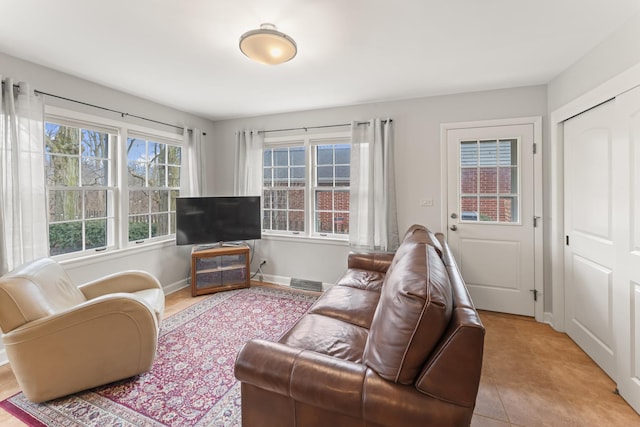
[589,246]
[626,222]
[490,201]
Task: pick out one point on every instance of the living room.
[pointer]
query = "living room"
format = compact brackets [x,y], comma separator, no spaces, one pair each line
[609,60]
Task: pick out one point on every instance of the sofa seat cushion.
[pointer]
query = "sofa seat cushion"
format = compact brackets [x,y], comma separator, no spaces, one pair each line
[413,313]
[327,335]
[362,279]
[351,305]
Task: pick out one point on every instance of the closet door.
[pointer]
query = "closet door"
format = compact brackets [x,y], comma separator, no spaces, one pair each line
[589,240]
[626,223]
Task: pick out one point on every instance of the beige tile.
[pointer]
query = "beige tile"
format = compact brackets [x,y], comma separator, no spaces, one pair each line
[480,421]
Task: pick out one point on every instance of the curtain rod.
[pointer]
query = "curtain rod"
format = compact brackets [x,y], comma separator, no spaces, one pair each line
[123,114]
[319,127]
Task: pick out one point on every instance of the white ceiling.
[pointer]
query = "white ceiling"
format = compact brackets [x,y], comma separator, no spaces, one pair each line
[184,53]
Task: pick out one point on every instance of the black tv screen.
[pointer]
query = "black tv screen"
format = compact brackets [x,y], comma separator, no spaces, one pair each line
[206,220]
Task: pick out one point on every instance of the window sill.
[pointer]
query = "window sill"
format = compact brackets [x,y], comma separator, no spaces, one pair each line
[306,239]
[88,259]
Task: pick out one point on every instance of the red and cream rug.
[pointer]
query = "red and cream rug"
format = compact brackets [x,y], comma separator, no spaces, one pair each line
[191,382]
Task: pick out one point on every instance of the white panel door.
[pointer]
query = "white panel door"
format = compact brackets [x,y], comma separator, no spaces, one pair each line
[627,228]
[589,248]
[490,214]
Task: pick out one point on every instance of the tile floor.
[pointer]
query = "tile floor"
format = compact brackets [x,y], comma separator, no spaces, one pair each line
[532,376]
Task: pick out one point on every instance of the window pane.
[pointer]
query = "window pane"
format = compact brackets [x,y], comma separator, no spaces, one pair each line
[468,153]
[138,202]
[508,152]
[96,231]
[174,155]
[296,199]
[174,176]
[297,156]
[488,181]
[281,177]
[325,154]
[94,172]
[325,175]
[63,171]
[341,223]
[324,222]
[343,154]
[156,152]
[343,176]
[488,153]
[488,208]
[159,201]
[65,205]
[266,199]
[266,177]
[159,225]
[508,180]
[95,144]
[136,162]
[62,139]
[65,237]
[95,204]
[279,199]
[281,157]
[157,175]
[279,221]
[296,220]
[297,176]
[341,200]
[469,208]
[266,219]
[508,209]
[173,194]
[138,227]
[267,157]
[469,180]
[324,200]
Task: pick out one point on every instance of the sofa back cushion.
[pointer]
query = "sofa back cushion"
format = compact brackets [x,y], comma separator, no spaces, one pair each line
[413,312]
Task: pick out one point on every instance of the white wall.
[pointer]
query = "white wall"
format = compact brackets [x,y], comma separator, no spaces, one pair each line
[417,135]
[618,52]
[166,261]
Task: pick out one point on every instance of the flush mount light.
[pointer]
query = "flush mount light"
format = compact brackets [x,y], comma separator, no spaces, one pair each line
[267,45]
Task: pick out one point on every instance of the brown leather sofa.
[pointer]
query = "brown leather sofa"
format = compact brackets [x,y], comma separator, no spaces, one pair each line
[396,342]
[61,338]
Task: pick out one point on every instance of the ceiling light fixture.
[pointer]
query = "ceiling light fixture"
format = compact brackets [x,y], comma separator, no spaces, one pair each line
[267,45]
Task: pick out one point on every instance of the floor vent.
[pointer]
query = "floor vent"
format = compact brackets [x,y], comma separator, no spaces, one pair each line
[307,285]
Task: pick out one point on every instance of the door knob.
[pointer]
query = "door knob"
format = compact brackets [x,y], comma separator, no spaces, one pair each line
[453,227]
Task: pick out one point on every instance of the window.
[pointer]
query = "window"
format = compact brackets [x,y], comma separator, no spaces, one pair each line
[96,203]
[153,178]
[489,172]
[79,173]
[306,185]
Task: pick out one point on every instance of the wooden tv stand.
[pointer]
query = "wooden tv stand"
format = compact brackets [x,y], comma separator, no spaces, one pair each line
[220,268]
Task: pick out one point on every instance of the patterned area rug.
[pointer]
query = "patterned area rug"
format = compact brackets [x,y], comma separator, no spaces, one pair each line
[191,382]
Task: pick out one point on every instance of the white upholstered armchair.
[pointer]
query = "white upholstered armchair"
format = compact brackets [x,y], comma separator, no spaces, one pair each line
[61,338]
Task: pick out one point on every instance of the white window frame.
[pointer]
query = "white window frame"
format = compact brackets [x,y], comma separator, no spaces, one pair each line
[118,238]
[308,142]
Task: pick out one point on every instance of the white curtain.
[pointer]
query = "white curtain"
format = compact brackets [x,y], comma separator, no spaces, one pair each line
[23,208]
[373,223]
[192,170]
[248,178]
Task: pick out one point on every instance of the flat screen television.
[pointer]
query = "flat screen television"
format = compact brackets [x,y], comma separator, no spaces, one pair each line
[209,220]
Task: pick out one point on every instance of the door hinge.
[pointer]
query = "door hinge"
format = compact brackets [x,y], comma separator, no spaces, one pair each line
[535,294]
[535,221]
[567,239]
[535,148]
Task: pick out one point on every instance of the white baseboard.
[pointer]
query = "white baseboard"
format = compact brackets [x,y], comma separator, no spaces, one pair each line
[3,356]
[176,286]
[282,280]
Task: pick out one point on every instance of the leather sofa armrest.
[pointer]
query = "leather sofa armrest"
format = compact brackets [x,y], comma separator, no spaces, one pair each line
[373,261]
[303,375]
[126,281]
[96,342]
